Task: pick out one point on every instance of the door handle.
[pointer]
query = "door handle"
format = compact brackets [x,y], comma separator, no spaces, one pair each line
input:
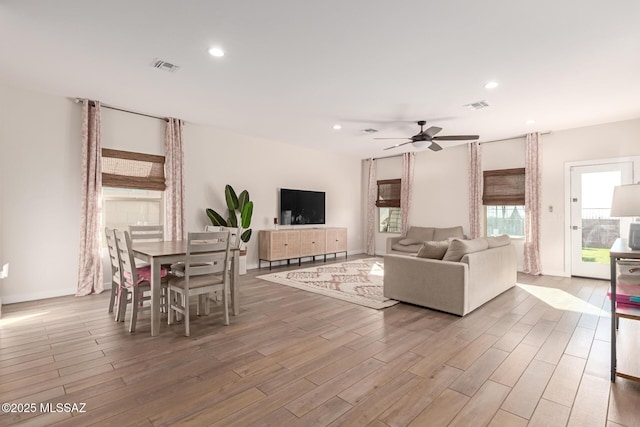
[575,227]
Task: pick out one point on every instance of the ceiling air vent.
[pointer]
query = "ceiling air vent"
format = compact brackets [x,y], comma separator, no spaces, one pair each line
[477,105]
[369,130]
[164,65]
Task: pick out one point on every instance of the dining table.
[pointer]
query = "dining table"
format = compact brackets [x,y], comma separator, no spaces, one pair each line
[169,252]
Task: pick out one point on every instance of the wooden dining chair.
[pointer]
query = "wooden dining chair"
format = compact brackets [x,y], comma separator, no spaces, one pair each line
[149,233]
[205,271]
[234,233]
[137,284]
[116,273]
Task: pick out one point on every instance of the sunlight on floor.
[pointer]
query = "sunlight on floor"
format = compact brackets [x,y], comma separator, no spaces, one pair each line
[557,298]
[377,269]
[10,320]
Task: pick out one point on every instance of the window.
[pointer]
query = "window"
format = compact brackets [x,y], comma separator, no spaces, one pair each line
[503,197]
[388,203]
[133,187]
[505,219]
[122,207]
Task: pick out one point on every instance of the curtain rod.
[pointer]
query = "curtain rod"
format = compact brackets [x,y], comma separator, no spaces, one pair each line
[484,142]
[78,100]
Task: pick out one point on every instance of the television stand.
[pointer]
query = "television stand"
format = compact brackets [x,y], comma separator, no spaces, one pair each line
[288,244]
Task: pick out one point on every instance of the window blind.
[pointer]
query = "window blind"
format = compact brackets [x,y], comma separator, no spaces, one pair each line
[389,193]
[125,169]
[503,187]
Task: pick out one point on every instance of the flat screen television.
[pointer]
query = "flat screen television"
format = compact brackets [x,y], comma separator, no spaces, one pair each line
[299,207]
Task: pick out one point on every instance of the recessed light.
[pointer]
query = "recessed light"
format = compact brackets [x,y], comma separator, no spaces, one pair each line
[531,122]
[491,85]
[337,127]
[216,51]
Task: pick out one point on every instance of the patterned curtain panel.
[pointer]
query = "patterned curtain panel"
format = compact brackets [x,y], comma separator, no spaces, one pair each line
[408,159]
[174,165]
[90,262]
[372,196]
[475,190]
[533,191]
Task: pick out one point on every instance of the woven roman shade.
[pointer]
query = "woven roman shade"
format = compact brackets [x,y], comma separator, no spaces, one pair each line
[389,193]
[503,187]
[125,169]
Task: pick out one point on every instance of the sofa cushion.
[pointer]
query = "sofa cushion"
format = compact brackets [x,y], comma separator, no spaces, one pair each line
[433,250]
[421,234]
[497,241]
[410,241]
[459,248]
[444,233]
[411,249]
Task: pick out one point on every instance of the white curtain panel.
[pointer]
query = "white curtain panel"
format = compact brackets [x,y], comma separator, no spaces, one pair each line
[533,191]
[372,196]
[174,174]
[90,261]
[475,190]
[408,160]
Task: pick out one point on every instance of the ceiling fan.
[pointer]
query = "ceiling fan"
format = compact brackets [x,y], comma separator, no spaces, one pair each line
[429,136]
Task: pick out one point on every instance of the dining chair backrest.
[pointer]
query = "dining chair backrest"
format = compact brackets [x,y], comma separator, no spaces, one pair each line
[129,272]
[116,269]
[207,253]
[149,233]
[234,233]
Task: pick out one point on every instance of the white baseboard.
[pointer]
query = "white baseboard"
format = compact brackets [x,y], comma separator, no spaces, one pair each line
[555,273]
[12,299]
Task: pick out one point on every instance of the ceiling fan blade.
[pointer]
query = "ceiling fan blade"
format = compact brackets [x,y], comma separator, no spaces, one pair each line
[432,131]
[434,147]
[398,145]
[456,137]
[390,138]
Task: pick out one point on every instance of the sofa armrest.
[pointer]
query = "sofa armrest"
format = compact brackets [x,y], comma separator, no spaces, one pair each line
[491,272]
[441,285]
[392,241]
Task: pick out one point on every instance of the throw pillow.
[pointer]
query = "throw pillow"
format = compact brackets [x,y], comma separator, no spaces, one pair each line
[444,233]
[459,248]
[497,241]
[433,250]
[409,241]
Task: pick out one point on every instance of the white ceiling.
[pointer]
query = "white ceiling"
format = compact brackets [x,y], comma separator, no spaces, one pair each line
[294,68]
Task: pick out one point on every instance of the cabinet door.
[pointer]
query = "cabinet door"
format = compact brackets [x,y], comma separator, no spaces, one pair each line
[292,245]
[307,242]
[278,245]
[336,240]
[320,242]
[312,242]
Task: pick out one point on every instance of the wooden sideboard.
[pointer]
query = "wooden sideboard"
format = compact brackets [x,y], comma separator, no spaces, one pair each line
[288,244]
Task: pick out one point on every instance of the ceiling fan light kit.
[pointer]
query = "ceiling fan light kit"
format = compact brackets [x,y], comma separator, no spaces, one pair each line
[420,139]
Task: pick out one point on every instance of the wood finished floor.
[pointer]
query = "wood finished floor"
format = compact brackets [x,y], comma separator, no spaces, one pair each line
[293,358]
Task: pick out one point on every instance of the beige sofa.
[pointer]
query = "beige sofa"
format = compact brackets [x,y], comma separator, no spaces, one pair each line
[456,287]
[416,236]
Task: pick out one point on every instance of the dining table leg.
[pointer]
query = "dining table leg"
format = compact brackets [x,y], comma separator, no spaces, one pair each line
[155,297]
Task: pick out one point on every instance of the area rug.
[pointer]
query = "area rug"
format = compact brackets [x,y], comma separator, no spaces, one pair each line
[359,282]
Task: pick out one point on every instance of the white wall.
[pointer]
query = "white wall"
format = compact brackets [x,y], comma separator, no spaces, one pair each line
[440,189]
[611,140]
[217,157]
[40,137]
[40,172]
[440,180]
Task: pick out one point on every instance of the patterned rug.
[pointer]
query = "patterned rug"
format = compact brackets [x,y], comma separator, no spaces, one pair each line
[359,282]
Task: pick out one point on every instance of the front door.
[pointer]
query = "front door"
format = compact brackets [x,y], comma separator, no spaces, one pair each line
[593,231]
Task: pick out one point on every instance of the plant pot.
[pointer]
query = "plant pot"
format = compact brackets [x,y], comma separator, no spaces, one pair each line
[242,265]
